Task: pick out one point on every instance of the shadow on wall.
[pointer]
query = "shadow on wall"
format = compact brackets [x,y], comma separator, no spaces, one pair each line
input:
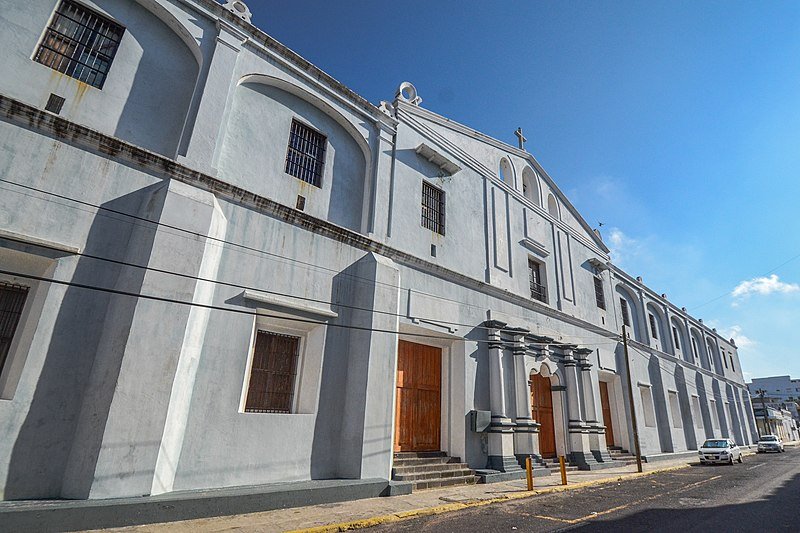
[476,448]
[58,444]
[161,91]
[686,408]
[660,404]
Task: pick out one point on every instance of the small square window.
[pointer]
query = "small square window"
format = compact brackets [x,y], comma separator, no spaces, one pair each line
[80,43]
[273,373]
[305,157]
[432,208]
[12,302]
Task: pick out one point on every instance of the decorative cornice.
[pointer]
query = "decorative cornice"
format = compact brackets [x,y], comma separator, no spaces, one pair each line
[56,127]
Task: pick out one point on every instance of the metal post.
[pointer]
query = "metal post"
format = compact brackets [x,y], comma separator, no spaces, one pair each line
[529,472]
[637,448]
[761,393]
[562,463]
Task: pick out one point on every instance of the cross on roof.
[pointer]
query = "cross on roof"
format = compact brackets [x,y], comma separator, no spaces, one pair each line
[521,138]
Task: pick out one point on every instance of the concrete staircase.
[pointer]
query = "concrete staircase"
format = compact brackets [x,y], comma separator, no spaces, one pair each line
[552,464]
[623,457]
[426,470]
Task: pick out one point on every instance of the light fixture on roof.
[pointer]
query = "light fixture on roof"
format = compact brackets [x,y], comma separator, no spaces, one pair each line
[239,8]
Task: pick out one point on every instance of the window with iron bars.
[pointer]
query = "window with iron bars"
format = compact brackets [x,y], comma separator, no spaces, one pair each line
[305,157]
[599,293]
[273,373]
[432,208]
[626,318]
[80,43]
[538,290]
[12,302]
[653,329]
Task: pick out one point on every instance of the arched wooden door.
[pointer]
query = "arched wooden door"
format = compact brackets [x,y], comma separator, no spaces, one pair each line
[418,411]
[542,412]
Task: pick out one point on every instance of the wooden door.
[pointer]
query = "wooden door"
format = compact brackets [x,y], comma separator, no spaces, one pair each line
[604,401]
[542,412]
[418,415]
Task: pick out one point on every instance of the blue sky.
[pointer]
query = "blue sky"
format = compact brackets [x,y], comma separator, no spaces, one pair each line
[676,124]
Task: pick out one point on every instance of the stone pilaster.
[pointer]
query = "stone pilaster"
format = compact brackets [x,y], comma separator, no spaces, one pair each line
[591,390]
[526,439]
[501,429]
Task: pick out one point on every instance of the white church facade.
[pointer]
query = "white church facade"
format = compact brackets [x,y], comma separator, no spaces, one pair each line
[221,267]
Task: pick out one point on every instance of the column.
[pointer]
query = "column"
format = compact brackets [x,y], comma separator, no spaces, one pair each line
[202,131]
[580,447]
[526,439]
[591,391]
[501,429]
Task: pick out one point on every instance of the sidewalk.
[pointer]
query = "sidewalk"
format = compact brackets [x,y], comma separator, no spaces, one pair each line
[373,511]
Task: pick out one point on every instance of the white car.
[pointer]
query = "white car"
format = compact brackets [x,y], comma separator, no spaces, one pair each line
[770,443]
[720,451]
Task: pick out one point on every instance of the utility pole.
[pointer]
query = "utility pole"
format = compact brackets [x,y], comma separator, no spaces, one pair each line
[761,393]
[637,448]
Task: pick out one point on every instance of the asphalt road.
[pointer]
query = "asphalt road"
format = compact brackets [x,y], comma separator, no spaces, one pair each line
[762,494]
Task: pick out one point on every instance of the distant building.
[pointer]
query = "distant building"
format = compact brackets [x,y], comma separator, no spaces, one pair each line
[219,266]
[776,387]
[776,421]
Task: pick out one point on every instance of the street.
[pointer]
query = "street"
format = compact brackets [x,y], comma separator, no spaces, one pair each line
[763,494]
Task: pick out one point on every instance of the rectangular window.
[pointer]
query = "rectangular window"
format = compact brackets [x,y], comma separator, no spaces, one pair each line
[653,330]
[305,157]
[648,407]
[697,414]
[626,319]
[694,348]
[724,359]
[675,410]
[273,373]
[599,295]
[676,337]
[538,290]
[80,43]
[732,366]
[12,302]
[432,208]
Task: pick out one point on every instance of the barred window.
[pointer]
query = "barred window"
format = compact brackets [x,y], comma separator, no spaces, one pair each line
[272,374]
[626,318]
[653,330]
[12,301]
[432,208]
[305,156]
[80,43]
[538,290]
[599,294]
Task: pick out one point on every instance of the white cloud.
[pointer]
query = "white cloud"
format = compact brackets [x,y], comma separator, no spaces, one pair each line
[735,333]
[764,285]
[623,247]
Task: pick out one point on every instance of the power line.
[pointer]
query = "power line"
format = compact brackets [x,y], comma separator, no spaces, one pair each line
[248,249]
[249,312]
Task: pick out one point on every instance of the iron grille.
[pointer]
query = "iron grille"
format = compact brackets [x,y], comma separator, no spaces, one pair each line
[80,43]
[432,208]
[12,301]
[599,294]
[626,318]
[538,291]
[273,373]
[305,157]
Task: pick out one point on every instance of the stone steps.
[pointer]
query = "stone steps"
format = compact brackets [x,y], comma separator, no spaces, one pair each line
[425,470]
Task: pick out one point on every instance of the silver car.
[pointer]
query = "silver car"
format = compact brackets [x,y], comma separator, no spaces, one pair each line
[723,451]
[770,443]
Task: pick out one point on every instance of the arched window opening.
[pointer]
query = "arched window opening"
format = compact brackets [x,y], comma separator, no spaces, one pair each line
[552,206]
[506,172]
[530,185]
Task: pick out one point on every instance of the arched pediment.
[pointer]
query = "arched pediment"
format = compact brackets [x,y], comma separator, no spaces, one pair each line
[317,102]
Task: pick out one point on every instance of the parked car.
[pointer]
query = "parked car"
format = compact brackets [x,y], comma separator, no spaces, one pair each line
[720,451]
[770,443]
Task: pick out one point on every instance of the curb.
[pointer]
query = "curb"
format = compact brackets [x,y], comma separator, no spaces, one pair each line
[440,509]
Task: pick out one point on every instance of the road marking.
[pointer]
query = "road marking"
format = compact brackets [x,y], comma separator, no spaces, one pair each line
[756,466]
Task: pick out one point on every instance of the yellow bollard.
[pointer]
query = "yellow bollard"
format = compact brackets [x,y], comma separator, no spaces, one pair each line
[563,466]
[529,472]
